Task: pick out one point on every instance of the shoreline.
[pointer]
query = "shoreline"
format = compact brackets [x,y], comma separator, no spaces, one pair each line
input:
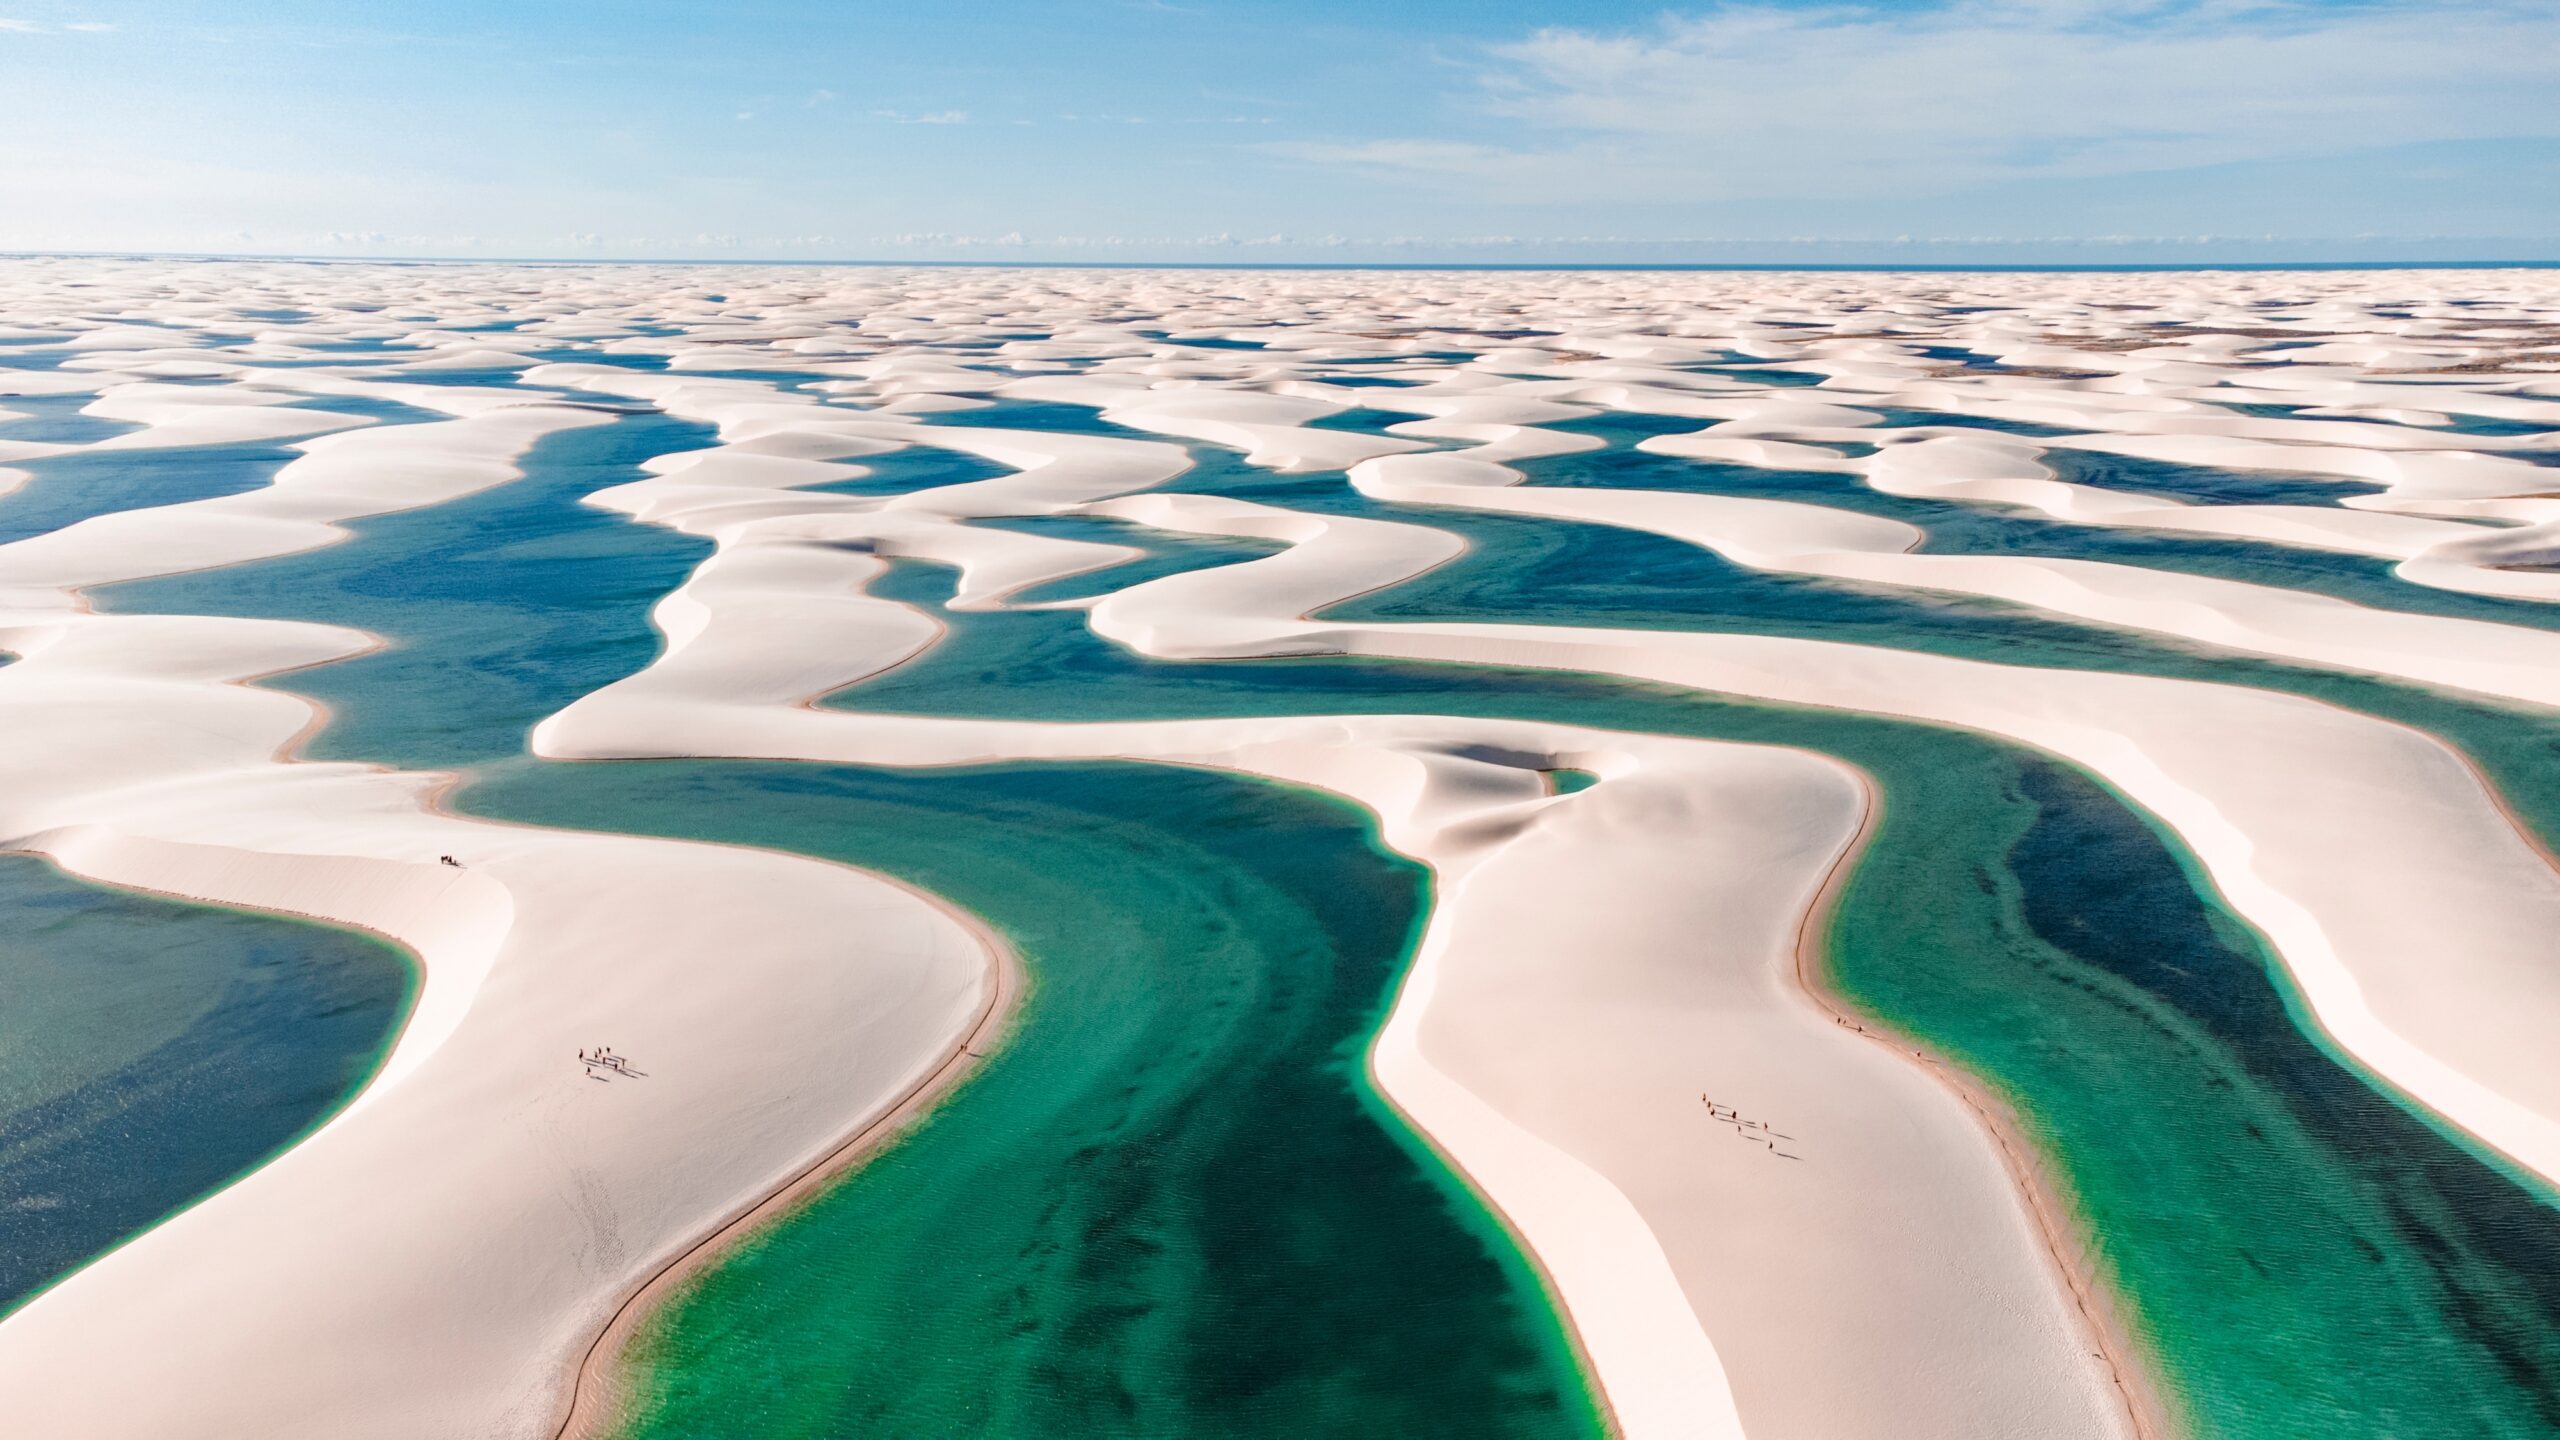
[413,969]
[1586,1371]
[2403,903]
[595,1402]
[413,964]
[2048,1197]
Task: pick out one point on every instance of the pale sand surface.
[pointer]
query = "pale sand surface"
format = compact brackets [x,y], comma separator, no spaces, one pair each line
[2231,768]
[439,1258]
[433,1260]
[597,1402]
[2410,909]
[1715,1283]
[2513,662]
[2298,870]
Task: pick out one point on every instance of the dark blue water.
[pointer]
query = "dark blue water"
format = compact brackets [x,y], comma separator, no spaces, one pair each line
[516,607]
[1896,417]
[2197,484]
[151,1052]
[564,582]
[66,489]
[1270,906]
[56,420]
[1955,528]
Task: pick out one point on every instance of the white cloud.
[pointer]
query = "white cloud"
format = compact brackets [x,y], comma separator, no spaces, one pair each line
[937,117]
[1759,100]
[29,27]
[1450,157]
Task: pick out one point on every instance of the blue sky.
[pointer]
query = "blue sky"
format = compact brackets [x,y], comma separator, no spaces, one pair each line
[1285,130]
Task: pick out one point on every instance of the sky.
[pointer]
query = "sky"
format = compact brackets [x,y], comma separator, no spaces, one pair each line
[1272,131]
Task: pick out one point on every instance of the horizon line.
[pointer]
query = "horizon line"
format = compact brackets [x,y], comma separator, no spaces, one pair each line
[2021,266]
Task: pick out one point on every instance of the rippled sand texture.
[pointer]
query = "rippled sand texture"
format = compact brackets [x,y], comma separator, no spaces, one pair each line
[1718,854]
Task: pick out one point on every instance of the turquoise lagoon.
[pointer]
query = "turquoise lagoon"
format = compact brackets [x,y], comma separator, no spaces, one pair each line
[1171,1204]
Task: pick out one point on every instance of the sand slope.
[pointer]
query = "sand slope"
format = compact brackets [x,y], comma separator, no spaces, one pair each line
[437,1260]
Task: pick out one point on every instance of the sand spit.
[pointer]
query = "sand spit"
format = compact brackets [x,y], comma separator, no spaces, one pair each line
[1758,1221]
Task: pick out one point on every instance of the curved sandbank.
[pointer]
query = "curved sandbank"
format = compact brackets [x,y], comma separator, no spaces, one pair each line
[2446,553]
[1132,404]
[160,1049]
[2435,485]
[2405,906]
[2227,767]
[2354,880]
[596,1405]
[1529,1076]
[433,1260]
[1512,1095]
[1220,612]
[2483,657]
[2509,662]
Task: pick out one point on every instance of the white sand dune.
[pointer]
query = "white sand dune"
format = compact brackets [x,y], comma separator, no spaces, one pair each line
[435,1260]
[2351,882]
[2503,661]
[438,1259]
[338,478]
[1717,1284]
[2232,745]
[2408,905]
[187,418]
[2446,553]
